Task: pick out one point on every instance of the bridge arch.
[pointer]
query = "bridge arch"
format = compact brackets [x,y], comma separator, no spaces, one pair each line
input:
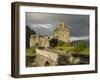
[47,63]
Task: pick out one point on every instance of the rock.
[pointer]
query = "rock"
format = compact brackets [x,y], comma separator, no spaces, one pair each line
[62,60]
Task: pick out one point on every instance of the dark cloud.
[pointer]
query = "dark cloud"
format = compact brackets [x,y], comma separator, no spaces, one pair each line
[78,24]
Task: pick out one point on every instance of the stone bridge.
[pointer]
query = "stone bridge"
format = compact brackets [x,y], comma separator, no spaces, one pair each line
[47,57]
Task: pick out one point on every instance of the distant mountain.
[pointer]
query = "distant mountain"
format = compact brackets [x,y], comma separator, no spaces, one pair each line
[29,30]
[78,41]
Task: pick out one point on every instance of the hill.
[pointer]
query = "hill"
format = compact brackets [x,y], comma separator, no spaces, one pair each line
[28,33]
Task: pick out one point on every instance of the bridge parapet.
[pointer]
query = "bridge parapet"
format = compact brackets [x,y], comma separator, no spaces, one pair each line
[47,53]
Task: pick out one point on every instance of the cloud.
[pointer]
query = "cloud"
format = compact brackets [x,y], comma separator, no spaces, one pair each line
[42,29]
[79,38]
[78,24]
[41,26]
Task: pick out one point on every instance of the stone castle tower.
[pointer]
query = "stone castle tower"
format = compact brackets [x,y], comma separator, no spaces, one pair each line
[62,32]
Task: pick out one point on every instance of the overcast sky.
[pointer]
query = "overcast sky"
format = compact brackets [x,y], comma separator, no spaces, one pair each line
[45,23]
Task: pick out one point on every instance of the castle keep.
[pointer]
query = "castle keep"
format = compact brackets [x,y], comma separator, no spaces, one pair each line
[62,32]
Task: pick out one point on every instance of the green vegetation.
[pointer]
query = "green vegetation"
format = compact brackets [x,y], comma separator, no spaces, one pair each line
[30,51]
[30,56]
[61,43]
[63,46]
[85,51]
[79,47]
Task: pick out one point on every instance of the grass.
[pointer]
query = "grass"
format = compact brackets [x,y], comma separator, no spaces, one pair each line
[30,51]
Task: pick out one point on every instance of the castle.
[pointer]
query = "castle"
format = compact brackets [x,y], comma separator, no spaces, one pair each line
[60,33]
